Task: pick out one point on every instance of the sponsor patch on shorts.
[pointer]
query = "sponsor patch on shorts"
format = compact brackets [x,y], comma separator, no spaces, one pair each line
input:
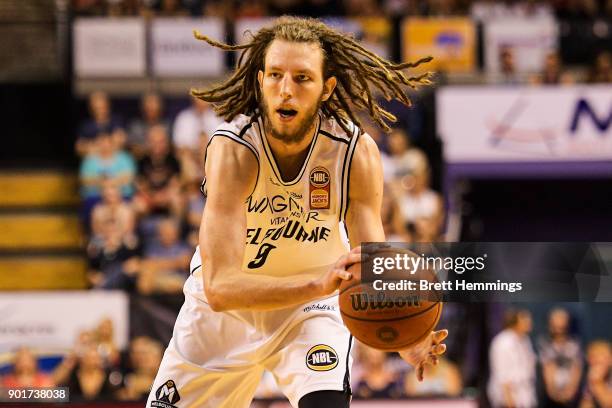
[166,395]
[321,358]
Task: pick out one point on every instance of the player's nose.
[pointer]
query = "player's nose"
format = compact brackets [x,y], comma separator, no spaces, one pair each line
[286,87]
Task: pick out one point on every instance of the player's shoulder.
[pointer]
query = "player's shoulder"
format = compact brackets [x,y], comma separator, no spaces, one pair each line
[335,131]
[331,128]
[238,126]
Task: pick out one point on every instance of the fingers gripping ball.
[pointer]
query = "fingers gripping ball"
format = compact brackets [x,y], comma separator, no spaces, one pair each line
[390,320]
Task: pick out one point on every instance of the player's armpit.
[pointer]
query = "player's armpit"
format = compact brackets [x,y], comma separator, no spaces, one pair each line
[363,218]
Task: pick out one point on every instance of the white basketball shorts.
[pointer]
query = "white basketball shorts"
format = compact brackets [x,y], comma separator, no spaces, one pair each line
[216,359]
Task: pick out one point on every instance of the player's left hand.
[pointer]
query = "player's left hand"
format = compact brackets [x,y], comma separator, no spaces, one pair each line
[425,352]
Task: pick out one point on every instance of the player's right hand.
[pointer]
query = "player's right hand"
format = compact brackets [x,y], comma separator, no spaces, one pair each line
[331,280]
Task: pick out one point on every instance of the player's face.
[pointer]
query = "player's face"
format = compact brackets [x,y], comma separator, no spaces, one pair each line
[293,88]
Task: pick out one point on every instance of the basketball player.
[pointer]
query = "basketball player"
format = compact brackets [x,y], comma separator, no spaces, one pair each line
[286,176]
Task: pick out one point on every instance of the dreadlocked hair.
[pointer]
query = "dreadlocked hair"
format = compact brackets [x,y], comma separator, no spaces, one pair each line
[359,73]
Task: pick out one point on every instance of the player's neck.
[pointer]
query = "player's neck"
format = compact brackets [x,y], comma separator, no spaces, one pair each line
[291,156]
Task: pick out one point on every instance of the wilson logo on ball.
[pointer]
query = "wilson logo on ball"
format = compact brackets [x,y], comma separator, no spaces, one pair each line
[365,301]
[321,358]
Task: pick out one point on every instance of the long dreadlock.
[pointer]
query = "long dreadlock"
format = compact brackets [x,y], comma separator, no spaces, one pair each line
[357,70]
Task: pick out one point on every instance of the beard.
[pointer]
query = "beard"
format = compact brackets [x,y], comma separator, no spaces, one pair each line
[302,127]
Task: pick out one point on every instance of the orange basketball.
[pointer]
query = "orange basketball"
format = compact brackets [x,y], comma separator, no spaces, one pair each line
[389,320]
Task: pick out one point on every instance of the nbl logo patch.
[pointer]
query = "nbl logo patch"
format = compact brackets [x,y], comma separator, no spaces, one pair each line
[166,395]
[320,183]
[321,358]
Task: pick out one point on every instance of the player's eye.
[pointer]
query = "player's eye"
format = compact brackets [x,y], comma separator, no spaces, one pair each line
[302,78]
[275,75]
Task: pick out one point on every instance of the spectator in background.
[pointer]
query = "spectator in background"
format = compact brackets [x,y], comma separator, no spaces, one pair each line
[112,210]
[158,181]
[507,67]
[106,342]
[101,121]
[601,72]
[553,73]
[442,380]
[406,158]
[379,137]
[165,264]
[421,207]
[113,260]
[126,7]
[151,106]
[392,219]
[598,388]
[145,356]
[362,8]
[172,8]
[26,373]
[512,364]
[190,127]
[195,209]
[378,379]
[561,362]
[107,163]
[250,9]
[90,379]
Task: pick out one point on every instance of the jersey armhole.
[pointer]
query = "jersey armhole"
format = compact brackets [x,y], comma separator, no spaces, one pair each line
[233,136]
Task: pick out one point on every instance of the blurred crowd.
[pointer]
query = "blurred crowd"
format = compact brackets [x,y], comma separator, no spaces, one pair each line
[556,371]
[140,190]
[567,9]
[554,374]
[553,71]
[94,369]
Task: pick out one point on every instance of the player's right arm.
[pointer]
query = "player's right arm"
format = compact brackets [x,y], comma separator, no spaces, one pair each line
[231,172]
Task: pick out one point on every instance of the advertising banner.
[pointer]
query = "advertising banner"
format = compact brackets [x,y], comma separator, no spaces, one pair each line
[374,33]
[176,53]
[54,319]
[525,124]
[530,40]
[109,47]
[451,41]
[244,25]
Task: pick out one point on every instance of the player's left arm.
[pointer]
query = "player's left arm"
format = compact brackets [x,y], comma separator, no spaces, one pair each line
[364,224]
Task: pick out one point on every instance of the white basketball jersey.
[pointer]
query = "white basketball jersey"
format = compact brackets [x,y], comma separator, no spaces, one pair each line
[296,226]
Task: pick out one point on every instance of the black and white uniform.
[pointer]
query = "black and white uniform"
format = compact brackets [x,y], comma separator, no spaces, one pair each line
[216,359]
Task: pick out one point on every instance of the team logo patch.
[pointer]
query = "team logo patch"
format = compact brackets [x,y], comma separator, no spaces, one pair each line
[321,358]
[166,395]
[320,183]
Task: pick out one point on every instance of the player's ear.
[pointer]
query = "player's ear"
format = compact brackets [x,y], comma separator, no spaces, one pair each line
[260,78]
[328,87]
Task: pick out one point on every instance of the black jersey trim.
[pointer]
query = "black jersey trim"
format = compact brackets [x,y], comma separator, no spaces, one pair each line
[231,135]
[336,138]
[346,174]
[194,269]
[272,161]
